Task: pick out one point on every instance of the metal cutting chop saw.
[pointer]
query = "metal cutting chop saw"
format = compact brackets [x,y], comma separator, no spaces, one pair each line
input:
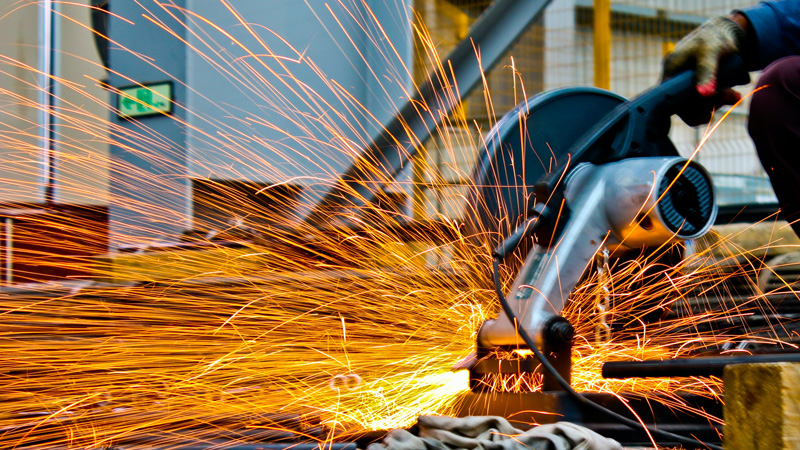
[577,170]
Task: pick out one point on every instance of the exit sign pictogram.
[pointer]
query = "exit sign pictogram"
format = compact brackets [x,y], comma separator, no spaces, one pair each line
[144,100]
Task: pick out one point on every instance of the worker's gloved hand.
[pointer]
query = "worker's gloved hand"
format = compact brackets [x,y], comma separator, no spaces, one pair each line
[702,50]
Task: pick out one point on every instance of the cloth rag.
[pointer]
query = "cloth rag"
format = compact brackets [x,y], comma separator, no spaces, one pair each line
[492,433]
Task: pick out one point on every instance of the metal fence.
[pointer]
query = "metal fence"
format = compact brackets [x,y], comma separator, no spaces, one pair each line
[558,51]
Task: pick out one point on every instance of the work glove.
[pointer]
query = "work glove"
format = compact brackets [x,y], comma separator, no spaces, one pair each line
[702,50]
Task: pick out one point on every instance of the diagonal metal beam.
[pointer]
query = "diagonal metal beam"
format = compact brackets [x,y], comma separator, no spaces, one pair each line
[491,35]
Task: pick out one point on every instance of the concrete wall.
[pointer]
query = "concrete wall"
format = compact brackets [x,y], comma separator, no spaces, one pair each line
[149,187]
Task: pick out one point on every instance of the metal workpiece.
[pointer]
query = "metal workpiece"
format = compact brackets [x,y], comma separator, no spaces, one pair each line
[689,367]
[628,204]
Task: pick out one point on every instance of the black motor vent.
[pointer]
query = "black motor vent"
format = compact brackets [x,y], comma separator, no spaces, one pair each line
[688,205]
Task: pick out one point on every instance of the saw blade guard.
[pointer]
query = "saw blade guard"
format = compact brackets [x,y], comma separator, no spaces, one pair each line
[629,204]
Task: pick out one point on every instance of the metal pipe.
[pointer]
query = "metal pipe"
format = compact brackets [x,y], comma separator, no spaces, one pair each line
[688,367]
[9,262]
[47,95]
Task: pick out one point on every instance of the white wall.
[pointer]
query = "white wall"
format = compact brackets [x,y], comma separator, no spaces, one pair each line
[83,146]
[20,154]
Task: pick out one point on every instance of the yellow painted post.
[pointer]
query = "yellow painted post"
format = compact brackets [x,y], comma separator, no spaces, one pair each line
[461,24]
[419,160]
[419,184]
[427,184]
[602,44]
[667,47]
[461,28]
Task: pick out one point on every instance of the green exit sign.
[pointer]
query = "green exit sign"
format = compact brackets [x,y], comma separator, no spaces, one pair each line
[144,100]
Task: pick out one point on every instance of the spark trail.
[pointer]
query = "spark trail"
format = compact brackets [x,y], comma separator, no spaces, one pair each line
[310,334]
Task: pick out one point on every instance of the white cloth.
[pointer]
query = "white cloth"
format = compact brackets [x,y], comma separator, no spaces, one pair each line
[492,433]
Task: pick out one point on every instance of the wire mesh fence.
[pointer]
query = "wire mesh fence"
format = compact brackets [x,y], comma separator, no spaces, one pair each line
[558,51]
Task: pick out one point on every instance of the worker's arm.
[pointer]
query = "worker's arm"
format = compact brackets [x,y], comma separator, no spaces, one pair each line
[773,31]
[760,34]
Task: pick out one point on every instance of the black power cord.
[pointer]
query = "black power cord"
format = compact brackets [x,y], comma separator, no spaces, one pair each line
[505,248]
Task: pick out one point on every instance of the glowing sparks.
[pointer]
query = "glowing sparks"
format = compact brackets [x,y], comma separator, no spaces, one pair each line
[319,334]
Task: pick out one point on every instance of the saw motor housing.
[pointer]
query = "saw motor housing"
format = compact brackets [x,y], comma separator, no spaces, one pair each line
[629,204]
[626,205]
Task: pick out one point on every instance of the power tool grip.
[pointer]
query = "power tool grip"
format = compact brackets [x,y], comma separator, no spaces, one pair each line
[680,90]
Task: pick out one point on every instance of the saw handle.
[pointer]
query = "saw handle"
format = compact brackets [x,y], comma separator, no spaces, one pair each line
[679,91]
[640,127]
